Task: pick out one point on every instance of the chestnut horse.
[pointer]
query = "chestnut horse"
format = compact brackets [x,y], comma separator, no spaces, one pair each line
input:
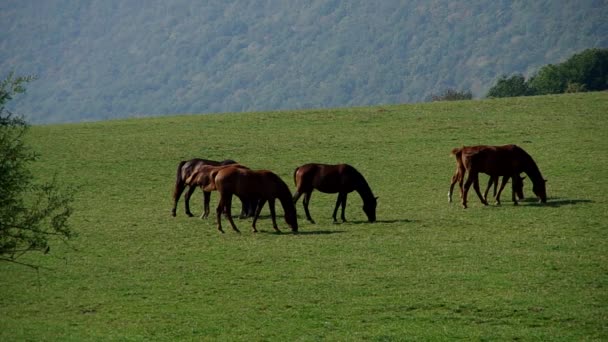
[203,177]
[507,161]
[263,185]
[331,179]
[184,170]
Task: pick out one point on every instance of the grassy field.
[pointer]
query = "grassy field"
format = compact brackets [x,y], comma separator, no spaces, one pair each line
[427,270]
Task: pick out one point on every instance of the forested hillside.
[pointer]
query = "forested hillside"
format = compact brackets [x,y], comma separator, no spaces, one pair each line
[112,58]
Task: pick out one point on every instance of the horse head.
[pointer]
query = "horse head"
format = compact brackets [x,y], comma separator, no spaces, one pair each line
[292,220]
[540,190]
[369,208]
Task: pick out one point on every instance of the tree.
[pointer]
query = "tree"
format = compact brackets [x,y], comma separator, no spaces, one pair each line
[452,95]
[550,79]
[588,69]
[515,85]
[30,213]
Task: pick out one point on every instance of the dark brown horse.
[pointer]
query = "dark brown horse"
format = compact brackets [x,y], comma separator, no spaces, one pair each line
[331,179]
[507,161]
[263,185]
[185,169]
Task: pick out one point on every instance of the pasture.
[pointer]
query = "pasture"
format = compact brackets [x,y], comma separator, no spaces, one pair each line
[426,270]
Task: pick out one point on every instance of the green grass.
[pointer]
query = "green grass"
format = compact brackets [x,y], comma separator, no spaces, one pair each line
[428,270]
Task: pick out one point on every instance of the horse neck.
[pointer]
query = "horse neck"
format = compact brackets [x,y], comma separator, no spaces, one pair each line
[531,169]
[284,196]
[364,190]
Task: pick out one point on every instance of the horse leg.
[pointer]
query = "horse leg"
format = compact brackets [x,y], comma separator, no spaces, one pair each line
[455,179]
[244,208]
[296,196]
[273,215]
[514,191]
[473,178]
[228,212]
[187,200]
[478,191]
[258,210]
[305,202]
[505,179]
[219,211]
[490,182]
[206,200]
[343,207]
[177,192]
[338,202]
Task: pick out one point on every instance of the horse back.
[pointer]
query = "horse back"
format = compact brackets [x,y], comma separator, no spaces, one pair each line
[492,160]
[326,178]
[245,182]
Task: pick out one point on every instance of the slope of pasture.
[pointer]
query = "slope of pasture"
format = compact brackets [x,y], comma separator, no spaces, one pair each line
[426,270]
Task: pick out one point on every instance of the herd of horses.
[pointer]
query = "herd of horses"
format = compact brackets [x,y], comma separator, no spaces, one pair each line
[255,188]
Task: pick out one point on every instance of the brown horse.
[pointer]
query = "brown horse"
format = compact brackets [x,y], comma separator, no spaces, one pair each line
[203,177]
[507,161]
[263,185]
[331,179]
[185,169]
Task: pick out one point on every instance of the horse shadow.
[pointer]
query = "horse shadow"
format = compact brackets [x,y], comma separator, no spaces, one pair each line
[555,202]
[377,221]
[303,232]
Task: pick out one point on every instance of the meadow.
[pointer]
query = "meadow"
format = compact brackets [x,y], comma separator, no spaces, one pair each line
[427,270]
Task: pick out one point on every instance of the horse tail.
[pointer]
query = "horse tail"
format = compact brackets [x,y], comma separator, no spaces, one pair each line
[179,179]
[295,172]
[457,151]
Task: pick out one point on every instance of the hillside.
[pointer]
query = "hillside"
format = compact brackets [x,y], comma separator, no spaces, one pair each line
[107,59]
[426,270]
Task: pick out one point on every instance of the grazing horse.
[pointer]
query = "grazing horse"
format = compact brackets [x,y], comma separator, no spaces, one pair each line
[507,161]
[331,179]
[203,177]
[263,185]
[185,169]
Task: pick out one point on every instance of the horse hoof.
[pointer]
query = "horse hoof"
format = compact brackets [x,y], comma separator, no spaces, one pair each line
[189,214]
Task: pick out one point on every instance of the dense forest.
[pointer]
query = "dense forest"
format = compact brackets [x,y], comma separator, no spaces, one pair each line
[106,59]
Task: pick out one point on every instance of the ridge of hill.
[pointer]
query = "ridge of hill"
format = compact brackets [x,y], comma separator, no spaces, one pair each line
[107,59]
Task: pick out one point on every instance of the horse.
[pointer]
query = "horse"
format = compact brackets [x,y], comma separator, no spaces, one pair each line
[203,177]
[341,178]
[264,185]
[507,161]
[184,170]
